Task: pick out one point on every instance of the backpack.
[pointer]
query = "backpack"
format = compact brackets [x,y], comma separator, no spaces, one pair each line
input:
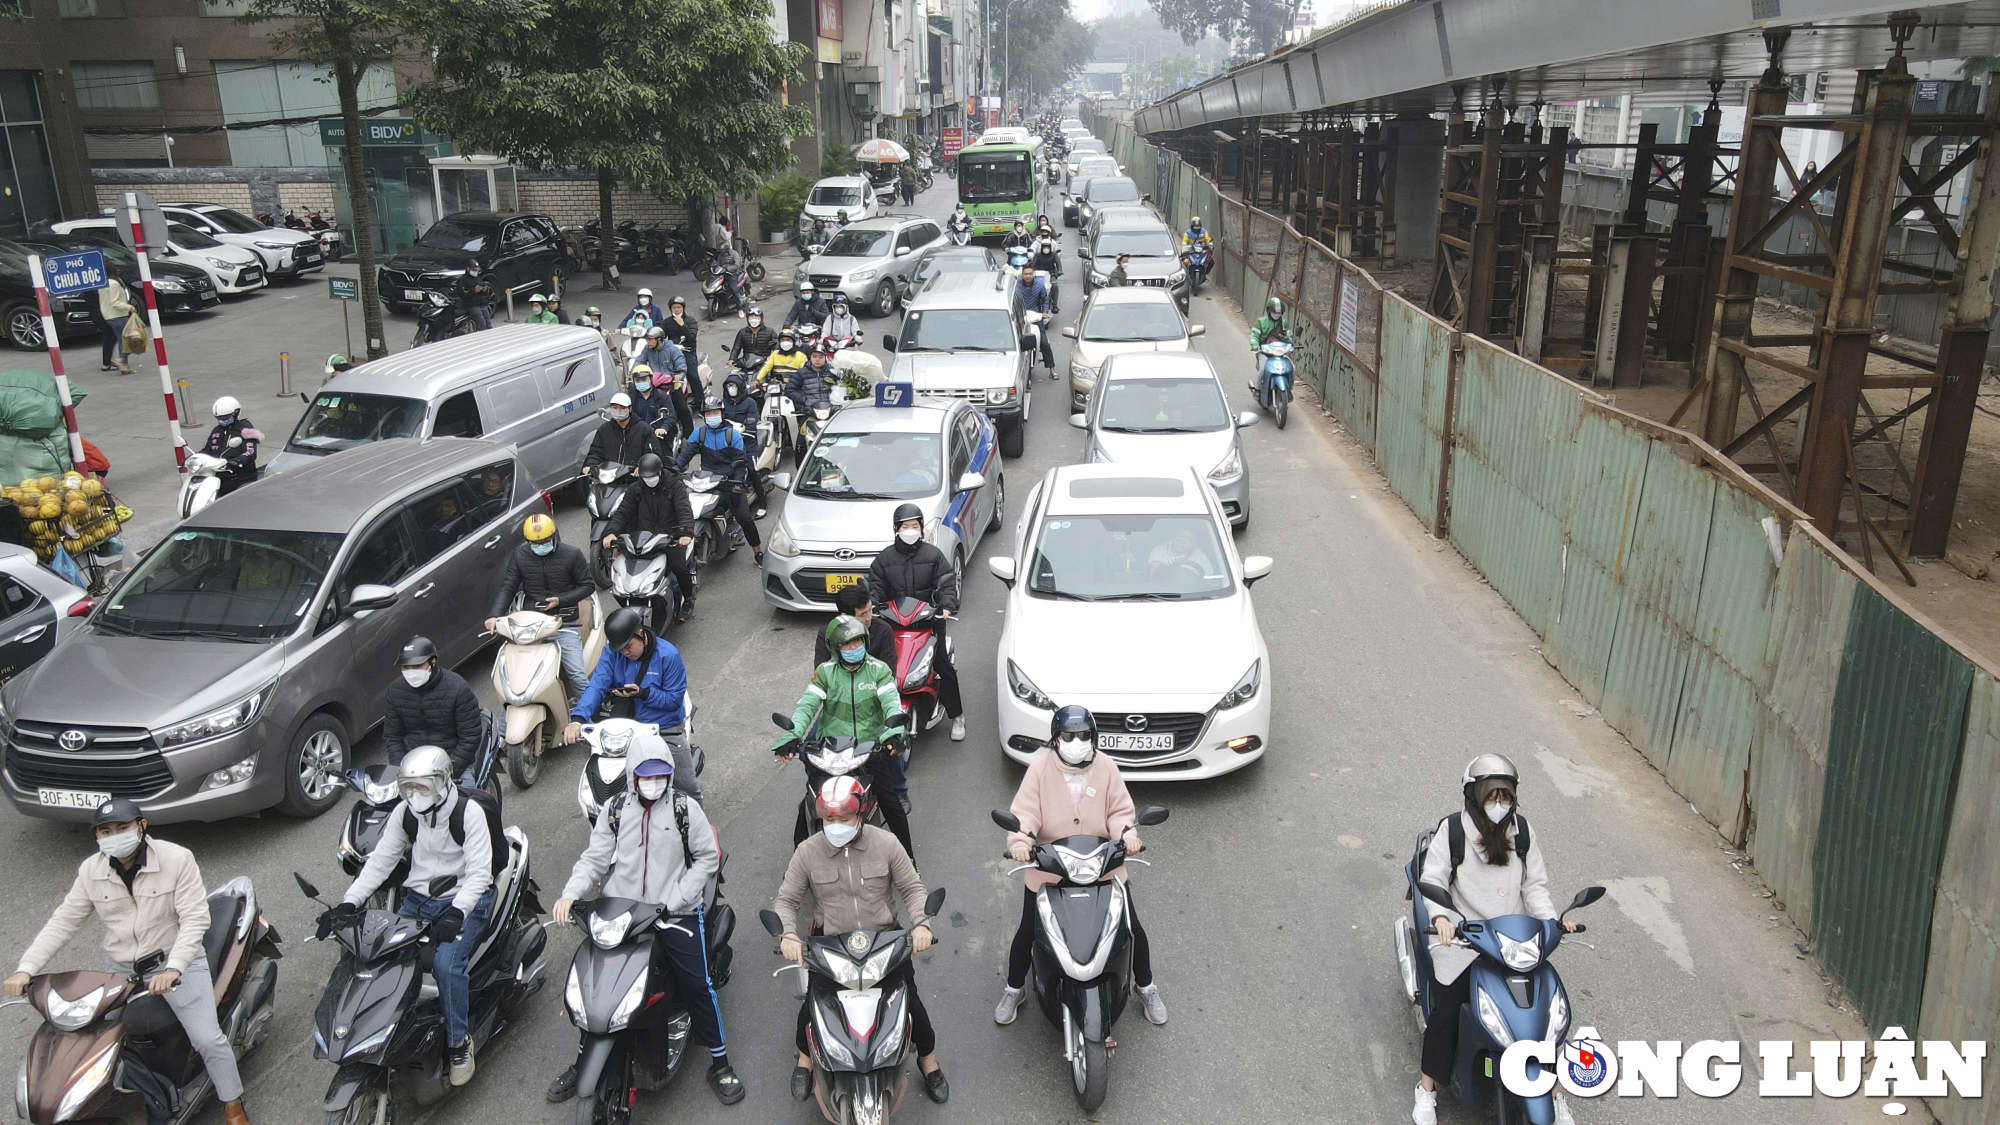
[1455,837]
[456,822]
[616,806]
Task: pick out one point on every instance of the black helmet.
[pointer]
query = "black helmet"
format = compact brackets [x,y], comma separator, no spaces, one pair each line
[118,810]
[623,624]
[905,513]
[419,650]
[677,300]
[1072,719]
[651,465]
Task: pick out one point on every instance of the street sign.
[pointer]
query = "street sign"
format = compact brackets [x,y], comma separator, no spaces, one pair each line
[954,139]
[374,131]
[152,224]
[895,394]
[1347,330]
[343,289]
[67,274]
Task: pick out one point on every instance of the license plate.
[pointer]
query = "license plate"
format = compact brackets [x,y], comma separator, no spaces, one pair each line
[413,294]
[308,257]
[835,583]
[71,798]
[1109,741]
[211,297]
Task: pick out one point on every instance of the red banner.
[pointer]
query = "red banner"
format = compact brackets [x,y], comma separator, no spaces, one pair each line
[954,139]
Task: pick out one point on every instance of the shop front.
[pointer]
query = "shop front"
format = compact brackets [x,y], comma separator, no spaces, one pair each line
[396,162]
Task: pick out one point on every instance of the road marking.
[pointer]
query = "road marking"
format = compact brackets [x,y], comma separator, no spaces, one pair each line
[1573,779]
[1645,902]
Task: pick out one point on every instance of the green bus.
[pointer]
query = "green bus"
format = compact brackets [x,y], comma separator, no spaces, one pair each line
[999,184]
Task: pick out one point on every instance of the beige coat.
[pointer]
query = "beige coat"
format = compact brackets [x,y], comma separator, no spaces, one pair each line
[114,303]
[167,908]
[1047,812]
[853,888]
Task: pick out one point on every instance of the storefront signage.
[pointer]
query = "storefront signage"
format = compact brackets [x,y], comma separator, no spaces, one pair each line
[374,131]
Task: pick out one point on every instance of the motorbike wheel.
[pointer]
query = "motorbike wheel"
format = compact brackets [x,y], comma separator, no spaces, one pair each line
[369,1107]
[524,759]
[1090,1073]
[1280,407]
[607,1104]
[755,270]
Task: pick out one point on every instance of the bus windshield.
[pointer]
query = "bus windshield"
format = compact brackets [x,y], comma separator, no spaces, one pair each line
[995,177]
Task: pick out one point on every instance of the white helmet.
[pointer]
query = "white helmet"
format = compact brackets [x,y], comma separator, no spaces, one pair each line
[424,780]
[538,299]
[227,408]
[645,292]
[622,399]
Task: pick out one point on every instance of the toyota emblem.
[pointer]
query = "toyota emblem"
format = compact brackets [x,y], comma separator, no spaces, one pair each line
[73,740]
[844,554]
[1135,723]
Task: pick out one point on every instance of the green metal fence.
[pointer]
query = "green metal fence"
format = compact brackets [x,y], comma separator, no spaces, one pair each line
[1962,977]
[1409,407]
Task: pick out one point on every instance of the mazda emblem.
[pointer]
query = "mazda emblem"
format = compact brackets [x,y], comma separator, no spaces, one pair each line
[1135,723]
[844,554]
[73,740]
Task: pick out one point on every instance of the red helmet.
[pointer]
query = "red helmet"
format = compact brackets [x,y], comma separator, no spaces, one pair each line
[842,796]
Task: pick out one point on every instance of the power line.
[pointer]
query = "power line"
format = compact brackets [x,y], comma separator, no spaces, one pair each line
[195,130]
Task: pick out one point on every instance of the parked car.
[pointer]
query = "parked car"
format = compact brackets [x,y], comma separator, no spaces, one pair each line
[286,253]
[517,251]
[38,607]
[1155,254]
[866,260]
[961,338]
[20,313]
[1169,409]
[233,669]
[177,286]
[1129,318]
[233,270]
[834,194]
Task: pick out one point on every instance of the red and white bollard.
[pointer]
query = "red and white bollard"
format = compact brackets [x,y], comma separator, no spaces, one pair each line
[153,325]
[56,362]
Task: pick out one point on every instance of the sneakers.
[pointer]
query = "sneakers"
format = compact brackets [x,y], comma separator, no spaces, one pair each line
[1563,1115]
[958,728]
[461,1063]
[1156,1006]
[564,1087]
[1425,1112]
[1009,1006]
[762,512]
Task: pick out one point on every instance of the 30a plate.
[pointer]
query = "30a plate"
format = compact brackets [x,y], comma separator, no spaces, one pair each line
[835,583]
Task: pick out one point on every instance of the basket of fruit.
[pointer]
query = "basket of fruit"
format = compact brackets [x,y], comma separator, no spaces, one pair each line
[74,512]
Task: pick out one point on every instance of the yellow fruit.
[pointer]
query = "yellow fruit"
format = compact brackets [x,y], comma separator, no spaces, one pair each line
[72,545]
[51,509]
[29,496]
[93,488]
[123,513]
[45,483]
[76,509]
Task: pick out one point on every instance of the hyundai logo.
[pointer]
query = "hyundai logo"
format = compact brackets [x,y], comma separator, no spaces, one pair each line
[72,740]
[844,554]
[1135,723]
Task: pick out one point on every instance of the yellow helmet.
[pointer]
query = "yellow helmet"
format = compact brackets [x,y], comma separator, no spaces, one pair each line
[537,528]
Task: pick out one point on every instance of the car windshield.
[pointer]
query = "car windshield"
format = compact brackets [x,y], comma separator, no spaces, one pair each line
[858,244]
[951,330]
[1097,166]
[1154,243]
[835,195]
[936,264]
[1161,405]
[455,234]
[338,421]
[1005,177]
[883,466]
[1112,191]
[181,234]
[1129,558]
[235,222]
[1122,322]
[224,583]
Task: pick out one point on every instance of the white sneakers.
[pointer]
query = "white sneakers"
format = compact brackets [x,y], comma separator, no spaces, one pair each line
[958,729]
[1156,1006]
[1009,1006]
[1425,1112]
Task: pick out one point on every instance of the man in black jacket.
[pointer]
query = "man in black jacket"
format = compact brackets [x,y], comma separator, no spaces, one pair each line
[660,507]
[551,577]
[621,440]
[430,705]
[912,568]
[855,602]
[754,341]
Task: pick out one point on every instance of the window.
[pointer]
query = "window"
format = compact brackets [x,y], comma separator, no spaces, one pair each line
[116,85]
[266,90]
[514,399]
[86,9]
[519,236]
[458,417]
[384,558]
[924,234]
[224,7]
[15,598]
[225,583]
[444,517]
[961,452]
[907,240]
[948,330]
[338,421]
[492,489]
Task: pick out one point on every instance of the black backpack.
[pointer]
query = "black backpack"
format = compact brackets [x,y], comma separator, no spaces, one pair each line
[1454,829]
[616,806]
[456,822]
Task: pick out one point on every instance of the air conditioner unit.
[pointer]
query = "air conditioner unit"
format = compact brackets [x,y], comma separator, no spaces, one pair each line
[865,98]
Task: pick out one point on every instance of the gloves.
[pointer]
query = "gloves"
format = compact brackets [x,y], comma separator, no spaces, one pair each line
[893,744]
[339,916]
[446,928]
[787,749]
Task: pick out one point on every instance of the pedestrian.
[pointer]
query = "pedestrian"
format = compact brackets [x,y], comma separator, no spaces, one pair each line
[109,313]
[907,176]
[1118,278]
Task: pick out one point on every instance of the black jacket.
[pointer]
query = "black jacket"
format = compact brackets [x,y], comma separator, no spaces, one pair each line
[921,571]
[442,713]
[743,408]
[682,334]
[808,384]
[622,445]
[803,311]
[663,509]
[561,574]
[881,643]
[759,341]
[243,459]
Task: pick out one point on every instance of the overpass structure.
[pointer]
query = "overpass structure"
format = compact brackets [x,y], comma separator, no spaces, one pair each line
[1426,129]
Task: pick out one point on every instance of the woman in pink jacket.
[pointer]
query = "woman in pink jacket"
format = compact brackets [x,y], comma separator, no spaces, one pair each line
[1072,790]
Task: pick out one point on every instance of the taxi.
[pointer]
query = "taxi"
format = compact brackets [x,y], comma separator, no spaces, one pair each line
[940,454]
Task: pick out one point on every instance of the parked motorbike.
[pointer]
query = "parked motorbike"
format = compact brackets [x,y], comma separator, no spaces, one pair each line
[610,486]
[913,623]
[859,1029]
[839,756]
[641,578]
[1274,379]
[1196,259]
[1083,947]
[527,676]
[715,534]
[109,1051]
[204,480]
[441,318]
[613,742]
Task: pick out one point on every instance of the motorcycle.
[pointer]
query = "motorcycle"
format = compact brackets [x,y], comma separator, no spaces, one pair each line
[1274,384]
[1515,992]
[1033,325]
[380,1019]
[1196,258]
[369,814]
[810,427]
[813,243]
[610,486]
[326,234]
[110,1051]
[614,743]
[777,426]
[913,623]
[959,227]
[641,579]
[1083,947]
[634,342]
[858,1029]
[441,318]
[721,297]
[204,480]
[716,534]
[836,757]
[527,676]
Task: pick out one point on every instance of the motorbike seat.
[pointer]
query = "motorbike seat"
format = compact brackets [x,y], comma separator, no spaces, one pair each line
[224,910]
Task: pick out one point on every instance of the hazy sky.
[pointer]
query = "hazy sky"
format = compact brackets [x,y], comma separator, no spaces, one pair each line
[1324,11]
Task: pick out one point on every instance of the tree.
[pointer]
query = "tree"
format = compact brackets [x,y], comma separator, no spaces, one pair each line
[1260,23]
[1160,77]
[1048,63]
[676,97]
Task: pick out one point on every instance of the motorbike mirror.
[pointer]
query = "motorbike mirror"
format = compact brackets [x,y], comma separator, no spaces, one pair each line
[310,890]
[440,886]
[1152,815]
[888,341]
[934,901]
[1197,330]
[1002,567]
[1437,894]
[896,722]
[368,596]
[1246,419]
[1069,331]
[1079,422]
[1585,897]
[771,921]
[780,721]
[1007,820]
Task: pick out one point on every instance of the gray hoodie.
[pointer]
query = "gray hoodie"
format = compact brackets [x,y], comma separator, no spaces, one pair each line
[643,859]
[434,853]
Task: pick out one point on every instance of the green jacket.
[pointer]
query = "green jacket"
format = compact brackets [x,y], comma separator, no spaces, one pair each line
[1116,278]
[850,704]
[544,317]
[1264,328]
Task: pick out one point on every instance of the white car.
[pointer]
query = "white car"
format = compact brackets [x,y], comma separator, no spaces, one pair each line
[1127,318]
[231,269]
[285,252]
[1126,596]
[834,194]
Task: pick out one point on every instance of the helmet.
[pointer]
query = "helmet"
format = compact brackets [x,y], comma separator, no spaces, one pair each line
[639,369]
[806,287]
[425,777]
[842,796]
[651,465]
[905,513]
[843,629]
[118,810]
[656,333]
[644,292]
[227,408]
[623,624]
[539,299]
[622,399]
[1072,719]
[419,650]
[787,334]
[1274,307]
[1486,773]
[712,402]
[754,310]
[555,299]
[1194,220]
[538,528]
[654,767]
[338,361]
[593,311]
[676,300]
[839,298]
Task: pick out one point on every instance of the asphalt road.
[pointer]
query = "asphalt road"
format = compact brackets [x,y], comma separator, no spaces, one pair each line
[1273,889]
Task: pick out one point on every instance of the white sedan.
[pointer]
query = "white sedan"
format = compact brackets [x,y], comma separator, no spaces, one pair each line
[231,269]
[1126,596]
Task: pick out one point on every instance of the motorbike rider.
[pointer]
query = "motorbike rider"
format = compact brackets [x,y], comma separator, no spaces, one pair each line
[740,409]
[149,895]
[1117,278]
[854,601]
[1035,297]
[787,359]
[840,320]
[1069,790]
[842,864]
[640,676]
[680,325]
[810,383]
[554,578]
[457,921]
[808,307]
[659,506]
[651,408]
[1048,260]
[593,317]
[663,355]
[431,705]
[635,852]
[1196,235]
[539,311]
[234,440]
[1503,873]
[852,695]
[730,261]
[1018,239]
[473,294]
[645,310]
[620,440]
[754,341]
[912,568]
[1270,326]
[724,453]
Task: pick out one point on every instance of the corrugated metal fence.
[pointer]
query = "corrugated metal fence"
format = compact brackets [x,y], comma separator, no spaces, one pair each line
[1798,705]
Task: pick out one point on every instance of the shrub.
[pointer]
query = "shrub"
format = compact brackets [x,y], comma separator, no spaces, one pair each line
[780,201]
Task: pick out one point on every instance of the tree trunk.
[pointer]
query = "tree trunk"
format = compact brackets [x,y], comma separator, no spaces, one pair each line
[607,234]
[347,79]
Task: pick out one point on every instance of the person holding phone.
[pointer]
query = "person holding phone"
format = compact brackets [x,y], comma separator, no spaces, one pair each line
[640,676]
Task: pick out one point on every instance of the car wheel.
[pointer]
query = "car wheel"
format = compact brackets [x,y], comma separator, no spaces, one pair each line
[999,501]
[24,327]
[314,767]
[1014,439]
[885,299]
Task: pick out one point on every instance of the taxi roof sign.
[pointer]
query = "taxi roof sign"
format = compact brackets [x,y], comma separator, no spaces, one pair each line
[895,394]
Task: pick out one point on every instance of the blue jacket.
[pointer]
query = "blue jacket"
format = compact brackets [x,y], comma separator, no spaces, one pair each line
[662,686]
[649,410]
[1034,298]
[664,358]
[721,451]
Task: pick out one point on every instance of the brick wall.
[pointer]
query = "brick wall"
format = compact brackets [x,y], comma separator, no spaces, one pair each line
[228,194]
[254,191]
[306,198]
[571,202]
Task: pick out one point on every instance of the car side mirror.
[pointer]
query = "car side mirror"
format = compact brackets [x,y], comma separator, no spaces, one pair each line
[888,342]
[1083,254]
[1002,567]
[969,481]
[1152,815]
[1069,331]
[1437,894]
[771,922]
[904,251]
[1145,199]
[368,596]
[1585,897]
[1007,820]
[1197,330]
[783,481]
[934,901]
[1255,568]
[1078,422]
[1027,340]
[1246,419]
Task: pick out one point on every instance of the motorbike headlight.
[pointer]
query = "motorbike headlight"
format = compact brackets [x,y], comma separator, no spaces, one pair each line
[873,970]
[1024,689]
[523,633]
[1245,689]
[168,285]
[573,998]
[74,1015]
[606,476]
[1558,1016]
[1084,867]
[781,543]
[634,996]
[1489,1018]
[89,1079]
[1097,278]
[863,275]
[373,1042]
[1176,277]
[1520,956]
[607,933]
[1230,467]
[378,792]
[215,724]
[844,972]
[435,298]
[920,670]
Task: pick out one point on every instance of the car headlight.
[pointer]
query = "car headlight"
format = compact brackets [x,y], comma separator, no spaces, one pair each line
[635,996]
[1230,467]
[1098,278]
[607,933]
[1520,956]
[1176,277]
[225,263]
[273,245]
[1558,1015]
[1082,372]
[6,723]
[1489,1018]
[215,724]
[1245,689]
[87,1082]
[1025,690]
[781,543]
[73,1015]
[168,285]
[862,275]
[999,395]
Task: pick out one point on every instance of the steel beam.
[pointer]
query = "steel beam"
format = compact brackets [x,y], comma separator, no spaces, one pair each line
[1756,169]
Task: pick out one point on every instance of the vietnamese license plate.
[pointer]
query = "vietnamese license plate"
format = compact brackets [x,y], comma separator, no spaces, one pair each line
[835,583]
[211,297]
[413,294]
[1109,741]
[309,259]
[71,798]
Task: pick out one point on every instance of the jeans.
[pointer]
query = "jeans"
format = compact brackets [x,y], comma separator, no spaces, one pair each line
[451,963]
[481,315]
[193,1000]
[574,673]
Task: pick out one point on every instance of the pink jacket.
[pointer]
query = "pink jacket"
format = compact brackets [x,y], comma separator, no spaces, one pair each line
[1047,812]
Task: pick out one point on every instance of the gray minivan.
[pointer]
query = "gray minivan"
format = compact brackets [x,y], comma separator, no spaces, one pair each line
[537,387]
[235,666]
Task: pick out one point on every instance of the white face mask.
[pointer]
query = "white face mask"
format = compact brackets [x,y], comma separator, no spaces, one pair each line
[1498,811]
[841,835]
[908,535]
[653,788]
[416,677]
[422,798]
[620,415]
[119,845]
[1075,751]
[650,482]
[784,345]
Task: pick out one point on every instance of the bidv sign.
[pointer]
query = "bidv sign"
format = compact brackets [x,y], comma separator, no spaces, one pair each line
[374,131]
[67,274]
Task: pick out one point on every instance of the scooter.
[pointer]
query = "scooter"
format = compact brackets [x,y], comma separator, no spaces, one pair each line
[913,623]
[1274,382]
[1083,947]
[1033,325]
[615,742]
[366,818]
[777,426]
[634,342]
[204,480]
[960,226]
[836,757]
[858,1029]
[813,243]
[1196,259]
[109,1051]
[440,319]
[721,297]
[527,676]
[641,579]
[810,427]
[380,1020]
[716,533]
[610,486]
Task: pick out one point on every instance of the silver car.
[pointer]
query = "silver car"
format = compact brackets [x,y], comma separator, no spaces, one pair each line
[939,454]
[38,607]
[235,667]
[867,259]
[1155,256]
[1167,408]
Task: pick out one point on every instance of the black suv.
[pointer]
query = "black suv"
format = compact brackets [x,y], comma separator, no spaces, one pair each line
[514,250]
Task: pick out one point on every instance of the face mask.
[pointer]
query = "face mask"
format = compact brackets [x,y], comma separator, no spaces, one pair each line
[422,799]
[653,788]
[841,835]
[119,845]
[712,420]
[736,392]
[416,677]
[908,535]
[756,322]
[542,548]
[620,415]
[1075,751]
[853,655]
[1498,811]
[650,482]
[784,345]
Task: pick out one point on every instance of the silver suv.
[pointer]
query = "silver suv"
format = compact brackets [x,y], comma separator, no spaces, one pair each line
[236,665]
[866,259]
